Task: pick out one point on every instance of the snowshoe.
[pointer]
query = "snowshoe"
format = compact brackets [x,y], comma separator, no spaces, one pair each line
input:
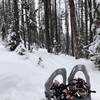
[51,89]
[79,88]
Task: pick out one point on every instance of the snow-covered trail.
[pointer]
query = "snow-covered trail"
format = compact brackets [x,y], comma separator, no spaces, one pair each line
[23,79]
[19,79]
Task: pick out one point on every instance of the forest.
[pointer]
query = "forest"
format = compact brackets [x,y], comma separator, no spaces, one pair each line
[70,27]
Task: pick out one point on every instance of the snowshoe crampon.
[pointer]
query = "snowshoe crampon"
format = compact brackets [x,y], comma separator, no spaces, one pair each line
[76,89]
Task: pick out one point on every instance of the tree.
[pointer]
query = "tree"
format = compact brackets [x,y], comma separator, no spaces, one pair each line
[74,34]
[56,31]
[33,23]
[51,24]
[86,22]
[4,21]
[16,21]
[91,19]
[67,28]
[46,9]
[41,22]
[23,23]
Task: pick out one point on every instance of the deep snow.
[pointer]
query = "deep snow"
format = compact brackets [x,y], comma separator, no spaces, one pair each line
[22,78]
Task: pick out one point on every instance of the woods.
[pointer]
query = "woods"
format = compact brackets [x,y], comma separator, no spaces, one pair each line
[61,26]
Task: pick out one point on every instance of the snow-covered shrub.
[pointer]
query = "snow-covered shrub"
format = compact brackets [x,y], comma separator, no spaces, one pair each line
[21,50]
[34,47]
[94,50]
[11,40]
[94,47]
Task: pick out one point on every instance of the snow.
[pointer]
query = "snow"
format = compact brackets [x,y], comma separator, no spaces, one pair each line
[98,1]
[93,27]
[24,79]
[98,30]
[95,45]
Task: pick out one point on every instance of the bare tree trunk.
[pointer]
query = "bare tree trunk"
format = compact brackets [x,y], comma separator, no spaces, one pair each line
[86,22]
[56,31]
[9,12]
[91,20]
[22,19]
[46,9]
[28,23]
[16,20]
[59,28]
[39,18]
[74,33]
[41,23]
[94,7]
[67,27]
[4,21]
[51,25]
[3,5]
[94,13]
[82,22]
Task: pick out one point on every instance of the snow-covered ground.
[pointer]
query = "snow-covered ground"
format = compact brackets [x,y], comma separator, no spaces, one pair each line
[22,78]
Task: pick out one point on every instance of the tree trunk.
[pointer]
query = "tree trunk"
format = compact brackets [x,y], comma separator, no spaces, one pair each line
[4,21]
[51,25]
[16,20]
[91,20]
[28,23]
[22,20]
[86,23]
[67,27]
[74,39]
[56,30]
[82,22]
[46,9]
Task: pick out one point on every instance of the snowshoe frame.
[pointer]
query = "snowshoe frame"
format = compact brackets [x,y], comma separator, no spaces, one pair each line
[63,73]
